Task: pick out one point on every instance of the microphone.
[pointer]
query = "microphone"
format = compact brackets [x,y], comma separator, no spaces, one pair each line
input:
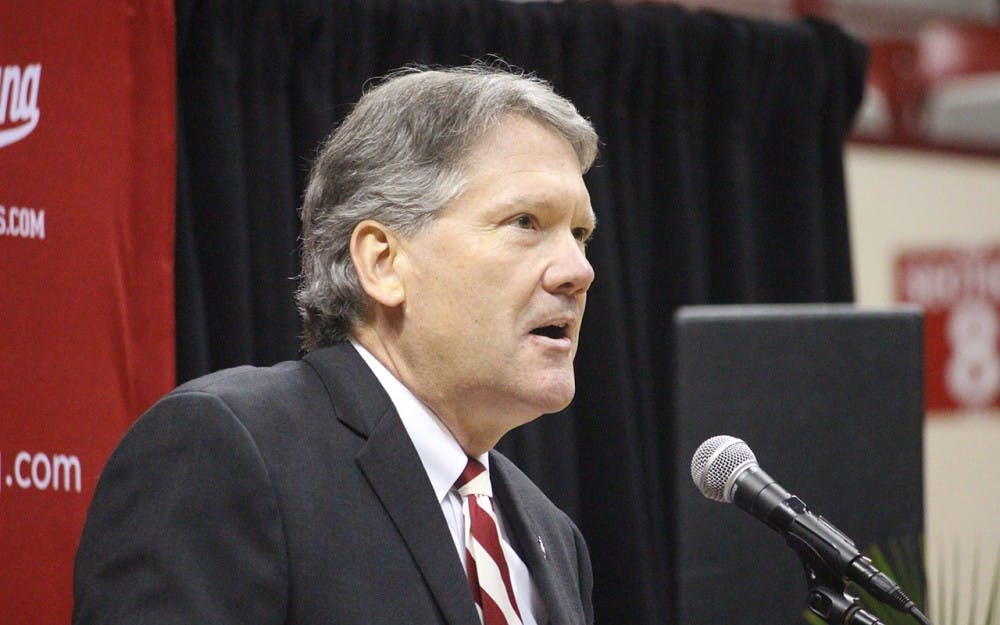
[725,469]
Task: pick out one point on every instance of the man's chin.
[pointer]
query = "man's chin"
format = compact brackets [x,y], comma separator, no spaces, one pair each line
[555,395]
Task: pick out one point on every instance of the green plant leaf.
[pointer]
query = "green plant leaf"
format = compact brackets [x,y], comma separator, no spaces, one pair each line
[991,606]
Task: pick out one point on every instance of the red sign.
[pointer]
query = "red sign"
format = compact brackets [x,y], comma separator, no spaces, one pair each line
[959,290]
[86,268]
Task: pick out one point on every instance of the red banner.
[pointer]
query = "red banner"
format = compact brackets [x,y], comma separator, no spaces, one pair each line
[959,290]
[86,268]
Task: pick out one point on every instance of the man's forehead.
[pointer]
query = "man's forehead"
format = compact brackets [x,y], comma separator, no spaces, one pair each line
[514,122]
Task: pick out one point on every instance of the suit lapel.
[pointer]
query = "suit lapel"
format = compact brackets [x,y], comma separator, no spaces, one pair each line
[393,469]
[530,543]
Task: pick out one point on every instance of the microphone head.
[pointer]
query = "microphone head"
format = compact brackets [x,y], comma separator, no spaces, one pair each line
[716,464]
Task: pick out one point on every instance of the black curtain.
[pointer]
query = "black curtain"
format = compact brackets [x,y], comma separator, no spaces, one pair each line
[720,180]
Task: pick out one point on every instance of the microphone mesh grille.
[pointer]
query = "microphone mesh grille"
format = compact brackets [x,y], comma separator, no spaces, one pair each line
[714,462]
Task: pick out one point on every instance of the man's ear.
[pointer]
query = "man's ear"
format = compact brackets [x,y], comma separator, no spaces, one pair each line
[375,252]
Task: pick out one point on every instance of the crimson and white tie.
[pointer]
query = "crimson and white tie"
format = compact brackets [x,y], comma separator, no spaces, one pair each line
[489,576]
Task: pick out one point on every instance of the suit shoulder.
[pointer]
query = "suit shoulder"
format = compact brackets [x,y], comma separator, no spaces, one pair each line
[248,388]
[246,379]
[255,397]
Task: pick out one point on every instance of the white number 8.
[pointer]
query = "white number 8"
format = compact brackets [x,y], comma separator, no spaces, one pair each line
[973,373]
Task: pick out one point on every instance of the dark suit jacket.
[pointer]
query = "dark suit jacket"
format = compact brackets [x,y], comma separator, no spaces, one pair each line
[292,494]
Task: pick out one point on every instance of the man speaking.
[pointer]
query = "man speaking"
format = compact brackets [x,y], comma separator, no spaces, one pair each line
[443,284]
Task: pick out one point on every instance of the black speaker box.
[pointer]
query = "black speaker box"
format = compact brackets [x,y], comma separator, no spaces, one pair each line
[830,399]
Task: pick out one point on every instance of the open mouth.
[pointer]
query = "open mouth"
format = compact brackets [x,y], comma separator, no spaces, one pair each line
[552,332]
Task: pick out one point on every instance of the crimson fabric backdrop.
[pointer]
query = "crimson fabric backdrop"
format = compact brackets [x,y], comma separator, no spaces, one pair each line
[87,165]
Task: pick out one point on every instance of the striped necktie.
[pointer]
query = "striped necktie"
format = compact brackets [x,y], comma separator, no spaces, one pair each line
[489,576]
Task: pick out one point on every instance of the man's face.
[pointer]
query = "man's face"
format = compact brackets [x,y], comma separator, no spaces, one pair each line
[496,284]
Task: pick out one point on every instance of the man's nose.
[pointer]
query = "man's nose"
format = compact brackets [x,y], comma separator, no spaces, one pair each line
[569,273]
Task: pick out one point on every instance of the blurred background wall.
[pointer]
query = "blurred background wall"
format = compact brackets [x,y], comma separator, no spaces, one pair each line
[923,178]
[902,199]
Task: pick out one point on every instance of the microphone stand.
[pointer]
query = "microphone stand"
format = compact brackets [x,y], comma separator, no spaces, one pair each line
[829,600]
[835,606]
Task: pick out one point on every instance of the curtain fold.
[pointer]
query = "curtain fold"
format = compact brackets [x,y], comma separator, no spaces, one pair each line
[720,180]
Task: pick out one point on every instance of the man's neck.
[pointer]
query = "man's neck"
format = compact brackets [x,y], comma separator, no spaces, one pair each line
[473,441]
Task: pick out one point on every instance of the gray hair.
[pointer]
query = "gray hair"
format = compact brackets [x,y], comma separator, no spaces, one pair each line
[397,158]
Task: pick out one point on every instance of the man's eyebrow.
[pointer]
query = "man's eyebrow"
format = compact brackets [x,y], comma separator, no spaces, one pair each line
[530,202]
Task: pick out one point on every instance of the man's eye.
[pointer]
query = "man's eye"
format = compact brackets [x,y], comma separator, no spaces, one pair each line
[525,221]
[583,235]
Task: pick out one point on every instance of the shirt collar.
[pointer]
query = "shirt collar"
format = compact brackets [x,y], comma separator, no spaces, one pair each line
[441,455]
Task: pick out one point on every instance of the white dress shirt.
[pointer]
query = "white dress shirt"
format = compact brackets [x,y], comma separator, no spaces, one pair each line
[444,461]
